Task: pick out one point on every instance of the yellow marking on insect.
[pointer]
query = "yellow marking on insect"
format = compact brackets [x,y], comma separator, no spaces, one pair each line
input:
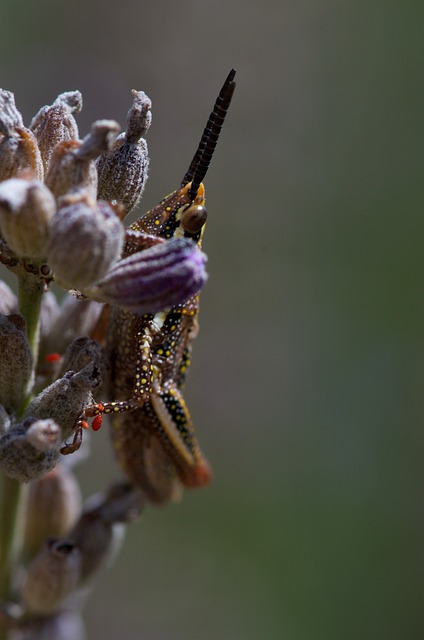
[143,380]
[157,222]
[172,432]
[160,352]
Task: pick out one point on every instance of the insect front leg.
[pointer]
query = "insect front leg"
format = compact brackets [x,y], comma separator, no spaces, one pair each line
[142,375]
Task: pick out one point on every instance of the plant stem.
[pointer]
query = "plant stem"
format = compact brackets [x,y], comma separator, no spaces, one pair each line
[31,290]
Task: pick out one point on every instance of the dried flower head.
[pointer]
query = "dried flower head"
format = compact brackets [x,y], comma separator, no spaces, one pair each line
[52,576]
[16,361]
[86,240]
[56,123]
[27,208]
[19,150]
[123,170]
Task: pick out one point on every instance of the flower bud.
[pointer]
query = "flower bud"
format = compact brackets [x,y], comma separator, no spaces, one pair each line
[30,449]
[69,173]
[15,362]
[82,352]
[72,164]
[151,280]
[76,318]
[97,533]
[55,123]
[53,507]
[26,211]
[86,240]
[65,399]
[123,171]
[10,117]
[18,146]
[52,576]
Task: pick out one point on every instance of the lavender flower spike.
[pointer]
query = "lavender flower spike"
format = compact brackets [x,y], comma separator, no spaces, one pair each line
[155,279]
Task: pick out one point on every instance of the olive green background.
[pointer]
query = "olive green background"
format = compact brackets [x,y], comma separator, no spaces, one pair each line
[307,380]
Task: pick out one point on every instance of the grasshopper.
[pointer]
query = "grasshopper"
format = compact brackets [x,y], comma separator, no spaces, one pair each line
[152,431]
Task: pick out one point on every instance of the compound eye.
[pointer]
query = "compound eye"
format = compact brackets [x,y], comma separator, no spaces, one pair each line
[193,218]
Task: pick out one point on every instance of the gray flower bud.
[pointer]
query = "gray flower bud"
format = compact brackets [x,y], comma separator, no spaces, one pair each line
[55,123]
[97,533]
[83,352]
[86,240]
[64,400]
[51,577]
[76,318]
[18,146]
[30,449]
[10,117]
[26,211]
[123,171]
[15,362]
[53,507]
[72,164]
[151,280]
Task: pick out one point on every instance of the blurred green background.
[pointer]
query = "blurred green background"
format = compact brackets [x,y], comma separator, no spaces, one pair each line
[306,385]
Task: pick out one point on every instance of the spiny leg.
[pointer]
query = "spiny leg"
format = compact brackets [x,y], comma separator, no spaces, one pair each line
[143,387]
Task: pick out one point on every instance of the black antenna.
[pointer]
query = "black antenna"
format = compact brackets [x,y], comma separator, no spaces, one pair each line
[200,163]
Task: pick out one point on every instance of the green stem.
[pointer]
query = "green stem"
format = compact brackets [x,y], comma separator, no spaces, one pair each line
[31,290]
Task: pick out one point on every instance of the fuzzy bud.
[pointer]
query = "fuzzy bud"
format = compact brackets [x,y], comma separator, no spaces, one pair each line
[97,533]
[15,361]
[26,211]
[72,165]
[83,352]
[151,280]
[18,145]
[10,117]
[52,576]
[76,318]
[30,449]
[86,240]
[123,171]
[56,123]
[64,400]
[53,507]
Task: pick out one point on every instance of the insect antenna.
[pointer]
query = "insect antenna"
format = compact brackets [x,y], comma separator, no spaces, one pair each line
[201,160]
